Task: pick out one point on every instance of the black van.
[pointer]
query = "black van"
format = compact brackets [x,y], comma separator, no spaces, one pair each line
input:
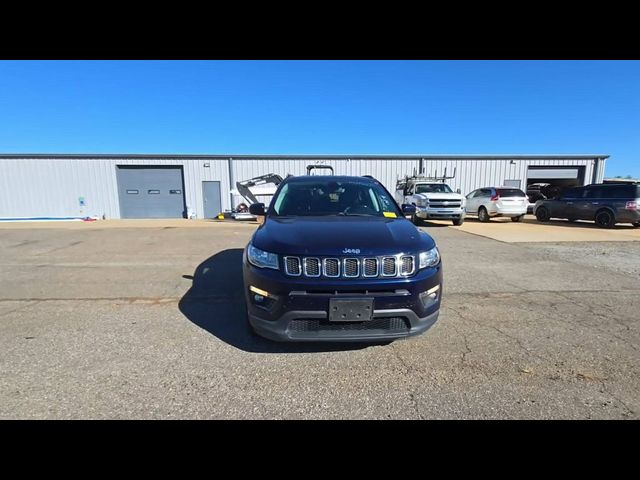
[606,204]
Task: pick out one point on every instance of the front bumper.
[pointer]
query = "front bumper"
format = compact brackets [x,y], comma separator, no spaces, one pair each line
[440,213]
[297,308]
[312,326]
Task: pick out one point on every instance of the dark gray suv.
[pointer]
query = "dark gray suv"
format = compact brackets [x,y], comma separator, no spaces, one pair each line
[606,204]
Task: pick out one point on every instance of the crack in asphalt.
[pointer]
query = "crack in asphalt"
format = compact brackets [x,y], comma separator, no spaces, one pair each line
[463,358]
[515,339]
[414,404]
[591,310]
[606,389]
[92,299]
[72,244]
[22,244]
[33,302]
[227,298]
[629,412]
[555,290]
[407,372]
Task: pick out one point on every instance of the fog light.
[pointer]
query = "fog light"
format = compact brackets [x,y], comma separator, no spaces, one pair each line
[260,292]
[262,298]
[430,297]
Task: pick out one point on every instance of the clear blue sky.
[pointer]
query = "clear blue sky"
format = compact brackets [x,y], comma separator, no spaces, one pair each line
[323,107]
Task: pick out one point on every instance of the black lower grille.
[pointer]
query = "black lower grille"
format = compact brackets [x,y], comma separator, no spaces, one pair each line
[388,324]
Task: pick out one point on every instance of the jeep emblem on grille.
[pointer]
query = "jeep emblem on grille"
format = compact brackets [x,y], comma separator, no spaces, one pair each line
[351,250]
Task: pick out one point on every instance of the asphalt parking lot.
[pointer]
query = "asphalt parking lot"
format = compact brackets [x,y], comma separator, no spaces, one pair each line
[147,321]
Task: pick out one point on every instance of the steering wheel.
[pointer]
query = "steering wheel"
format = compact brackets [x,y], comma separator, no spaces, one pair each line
[364,207]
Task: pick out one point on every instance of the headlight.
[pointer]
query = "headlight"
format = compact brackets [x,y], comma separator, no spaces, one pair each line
[262,259]
[430,258]
[421,202]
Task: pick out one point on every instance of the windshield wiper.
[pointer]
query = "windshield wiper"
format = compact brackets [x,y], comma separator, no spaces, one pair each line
[356,214]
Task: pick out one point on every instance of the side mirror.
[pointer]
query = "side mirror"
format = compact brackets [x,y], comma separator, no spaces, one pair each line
[408,209]
[457,190]
[257,209]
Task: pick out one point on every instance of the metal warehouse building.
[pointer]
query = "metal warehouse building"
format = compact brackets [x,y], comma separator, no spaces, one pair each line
[199,186]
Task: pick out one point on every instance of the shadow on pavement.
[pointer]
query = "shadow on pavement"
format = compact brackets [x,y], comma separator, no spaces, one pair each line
[530,219]
[215,302]
[428,224]
[579,224]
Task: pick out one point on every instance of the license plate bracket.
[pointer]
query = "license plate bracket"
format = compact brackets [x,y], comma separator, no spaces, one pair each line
[350,310]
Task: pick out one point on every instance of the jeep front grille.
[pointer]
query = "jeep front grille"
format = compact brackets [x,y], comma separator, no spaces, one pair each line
[312,267]
[370,267]
[331,267]
[351,267]
[292,266]
[388,267]
[406,265]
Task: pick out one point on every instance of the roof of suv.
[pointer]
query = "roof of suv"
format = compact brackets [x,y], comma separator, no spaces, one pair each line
[598,185]
[335,178]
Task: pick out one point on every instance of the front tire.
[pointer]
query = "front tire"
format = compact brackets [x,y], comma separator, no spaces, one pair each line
[417,221]
[458,221]
[483,215]
[542,214]
[605,219]
[517,219]
[637,224]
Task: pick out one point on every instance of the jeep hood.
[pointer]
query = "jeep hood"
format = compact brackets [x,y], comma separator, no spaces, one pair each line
[331,235]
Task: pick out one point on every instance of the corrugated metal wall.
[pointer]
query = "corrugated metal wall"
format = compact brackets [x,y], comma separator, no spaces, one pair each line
[52,187]
[40,187]
[472,174]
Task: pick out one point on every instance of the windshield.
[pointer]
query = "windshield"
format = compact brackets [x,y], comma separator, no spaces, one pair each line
[433,188]
[314,197]
[510,192]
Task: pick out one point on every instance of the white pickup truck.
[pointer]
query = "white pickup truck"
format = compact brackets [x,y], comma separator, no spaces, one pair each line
[433,200]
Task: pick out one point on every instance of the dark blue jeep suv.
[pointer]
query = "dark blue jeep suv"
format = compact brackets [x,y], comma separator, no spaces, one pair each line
[336,260]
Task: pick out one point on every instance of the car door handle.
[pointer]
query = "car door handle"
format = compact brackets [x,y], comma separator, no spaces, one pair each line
[569,203]
[595,203]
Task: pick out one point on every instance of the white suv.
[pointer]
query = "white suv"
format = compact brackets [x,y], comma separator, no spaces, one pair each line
[497,202]
[433,200]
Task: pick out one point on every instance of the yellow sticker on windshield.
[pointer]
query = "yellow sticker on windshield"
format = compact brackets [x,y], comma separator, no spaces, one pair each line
[389,214]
